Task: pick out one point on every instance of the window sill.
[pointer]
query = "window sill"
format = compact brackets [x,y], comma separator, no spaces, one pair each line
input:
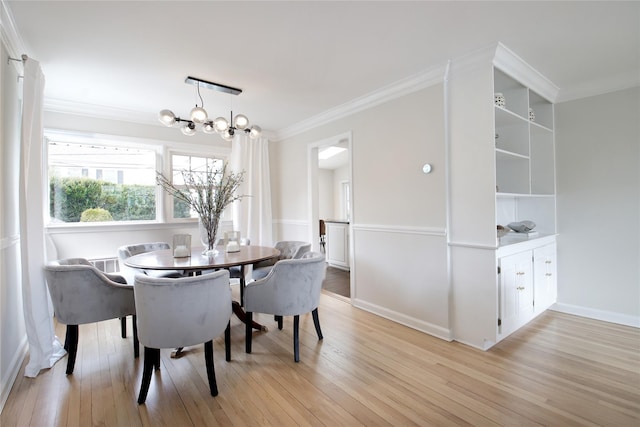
[121,226]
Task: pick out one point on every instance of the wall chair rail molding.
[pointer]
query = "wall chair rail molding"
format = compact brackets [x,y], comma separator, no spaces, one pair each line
[9,241]
[400,229]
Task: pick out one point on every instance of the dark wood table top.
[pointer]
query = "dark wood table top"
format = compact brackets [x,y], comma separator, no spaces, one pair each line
[164,260]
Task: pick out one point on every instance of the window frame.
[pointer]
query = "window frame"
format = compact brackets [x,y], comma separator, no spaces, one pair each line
[168,199]
[163,154]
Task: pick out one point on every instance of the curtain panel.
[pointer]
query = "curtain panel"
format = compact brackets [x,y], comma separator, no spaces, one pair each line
[252,215]
[44,347]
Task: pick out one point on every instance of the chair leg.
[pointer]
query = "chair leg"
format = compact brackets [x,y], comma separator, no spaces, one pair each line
[316,322]
[296,338]
[247,341]
[227,342]
[156,360]
[243,284]
[211,372]
[66,340]
[150,357]
[71,345]
[279,320]
[136,342]
[123,327]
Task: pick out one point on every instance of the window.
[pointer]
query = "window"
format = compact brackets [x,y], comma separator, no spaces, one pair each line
[94,180]
[194,164]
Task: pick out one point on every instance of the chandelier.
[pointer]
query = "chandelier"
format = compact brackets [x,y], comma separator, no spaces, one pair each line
[198,118]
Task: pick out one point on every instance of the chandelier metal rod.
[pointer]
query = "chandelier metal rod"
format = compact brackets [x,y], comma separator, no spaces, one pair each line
[213,86]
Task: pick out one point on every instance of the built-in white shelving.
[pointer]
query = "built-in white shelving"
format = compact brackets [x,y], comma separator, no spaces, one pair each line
[502,160]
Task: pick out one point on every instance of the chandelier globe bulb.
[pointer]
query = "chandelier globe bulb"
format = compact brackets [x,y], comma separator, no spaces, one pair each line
[255,132]
[167,117]
[198,114]
[227,135]
[220,124]
[188,129]
[208,127]
[240,121]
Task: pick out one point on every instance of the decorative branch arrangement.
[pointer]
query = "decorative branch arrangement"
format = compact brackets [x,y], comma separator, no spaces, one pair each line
[208,193]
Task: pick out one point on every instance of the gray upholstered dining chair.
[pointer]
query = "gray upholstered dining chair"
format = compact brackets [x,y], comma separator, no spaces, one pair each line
[291,288]
[82,294]
[128,251]
[179,313]
[289,249]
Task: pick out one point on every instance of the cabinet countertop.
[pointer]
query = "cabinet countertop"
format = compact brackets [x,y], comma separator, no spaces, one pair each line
[518,244]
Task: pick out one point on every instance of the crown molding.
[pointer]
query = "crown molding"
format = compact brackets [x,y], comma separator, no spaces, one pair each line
[12,40]
[387,93]
[98,111]
[516,67]
[624,81]
[499,56]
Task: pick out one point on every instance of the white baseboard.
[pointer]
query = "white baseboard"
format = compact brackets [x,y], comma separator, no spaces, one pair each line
[592,313]
[422,326]
[12,372]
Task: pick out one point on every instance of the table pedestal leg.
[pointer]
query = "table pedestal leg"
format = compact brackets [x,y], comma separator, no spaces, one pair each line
[240,314]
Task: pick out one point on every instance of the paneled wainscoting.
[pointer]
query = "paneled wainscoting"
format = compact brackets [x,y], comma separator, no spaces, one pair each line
[558,370]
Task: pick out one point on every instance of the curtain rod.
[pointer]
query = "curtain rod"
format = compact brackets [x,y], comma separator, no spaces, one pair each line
[23,58]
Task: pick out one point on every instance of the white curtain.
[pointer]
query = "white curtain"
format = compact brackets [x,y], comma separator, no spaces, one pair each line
[44,347]
[252,215]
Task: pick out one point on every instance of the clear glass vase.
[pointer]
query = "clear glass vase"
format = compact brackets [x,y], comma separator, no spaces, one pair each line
[208,237]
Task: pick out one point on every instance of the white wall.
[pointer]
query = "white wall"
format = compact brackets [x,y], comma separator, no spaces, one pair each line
[398,226]
[340,175]
[598,186]
[325,194]
[13,339]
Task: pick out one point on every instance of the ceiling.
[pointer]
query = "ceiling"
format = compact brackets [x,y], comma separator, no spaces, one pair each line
[296,60]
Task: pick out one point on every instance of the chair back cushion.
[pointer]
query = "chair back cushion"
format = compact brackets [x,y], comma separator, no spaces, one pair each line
[184,311]
[81,293]
[291,249]
[292,287]
[140,248]
[128,251]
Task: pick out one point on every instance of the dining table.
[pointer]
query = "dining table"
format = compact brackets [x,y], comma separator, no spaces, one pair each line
[198,262]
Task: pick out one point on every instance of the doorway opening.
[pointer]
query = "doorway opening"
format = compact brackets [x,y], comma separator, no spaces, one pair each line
[331,209]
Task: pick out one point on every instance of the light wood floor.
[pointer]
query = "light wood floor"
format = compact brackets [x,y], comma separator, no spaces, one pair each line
[558,371]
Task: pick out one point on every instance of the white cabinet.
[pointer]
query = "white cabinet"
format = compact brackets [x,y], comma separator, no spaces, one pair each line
[337,245]
[501,170]
[544,277]
[527,284]
[516,292]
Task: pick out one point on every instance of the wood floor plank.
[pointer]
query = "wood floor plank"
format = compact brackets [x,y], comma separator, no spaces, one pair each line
[558,370]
